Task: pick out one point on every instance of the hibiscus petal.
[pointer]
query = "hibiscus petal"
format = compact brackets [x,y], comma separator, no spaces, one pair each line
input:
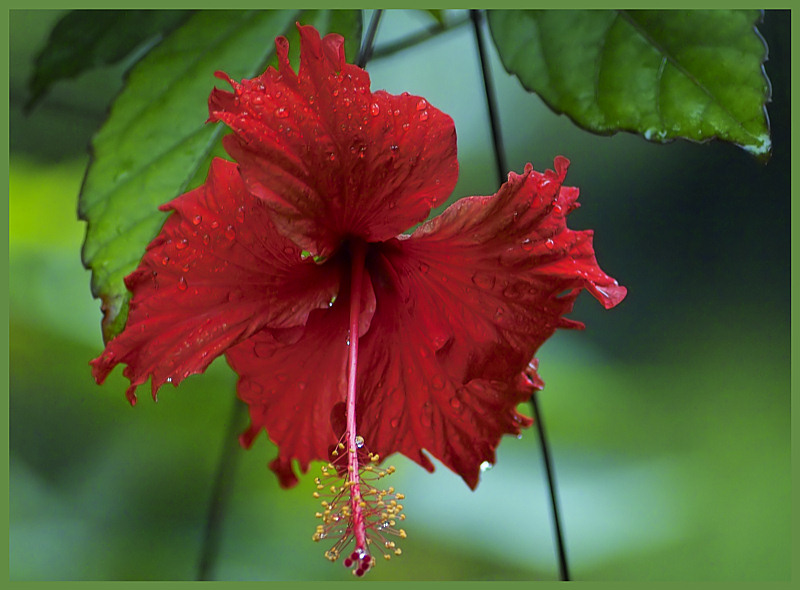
[463,305]
[331,158]
[292,387]
[217,273]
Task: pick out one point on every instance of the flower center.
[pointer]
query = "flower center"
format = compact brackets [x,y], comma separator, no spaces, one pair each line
[356,511]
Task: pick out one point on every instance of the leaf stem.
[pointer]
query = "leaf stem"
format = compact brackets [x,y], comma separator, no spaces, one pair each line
[417,38]
[365,52]
[500,160]
[223,483]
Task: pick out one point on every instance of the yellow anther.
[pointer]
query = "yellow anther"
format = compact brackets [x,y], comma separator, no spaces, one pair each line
[387,557]
[402,533]
[400,496]
[398,551]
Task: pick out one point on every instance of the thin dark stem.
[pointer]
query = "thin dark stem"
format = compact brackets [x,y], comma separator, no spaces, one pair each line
[491,102]
[430,32]
[369,42]
[223,482]
[500,160]
[551,481]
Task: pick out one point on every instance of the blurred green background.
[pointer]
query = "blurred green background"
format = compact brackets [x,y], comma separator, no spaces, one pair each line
[669,416]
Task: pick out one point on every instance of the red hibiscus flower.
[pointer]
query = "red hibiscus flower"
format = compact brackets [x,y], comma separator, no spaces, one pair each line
[345,332]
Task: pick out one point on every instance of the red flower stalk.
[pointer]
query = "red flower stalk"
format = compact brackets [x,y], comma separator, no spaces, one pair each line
[292,262]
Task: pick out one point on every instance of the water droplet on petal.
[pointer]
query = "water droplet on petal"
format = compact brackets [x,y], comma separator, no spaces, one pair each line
[240,215]
[424,268]
[181,245]
[484,280]
[527,244]
[423,116]
[165,260]
[375,109]
[395,422]
[422,104]
[486,466]
[230,233]
[206,239]
[182,284]
[455,403]
[197,219]
[281,112]
[214,224]
[359,441]
[550,244]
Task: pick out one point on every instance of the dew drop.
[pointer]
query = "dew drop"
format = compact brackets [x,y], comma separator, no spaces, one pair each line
[331,156]
[423,116]
[406,126]
[240,214]
[527,244]
[206,239]
[182,284]
[197,219]
[165,260]
[395,422]
[424,268]
[499,312]
[484,280]
[375,109]
[214,224]
[359,441]
[281,112]
[181,245]
[485,466]
[549,244]
[394,148]
[455,403]
[422,104]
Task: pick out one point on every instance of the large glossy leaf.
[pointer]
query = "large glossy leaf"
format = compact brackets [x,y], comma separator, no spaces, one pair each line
[694,74]
[86,39]
[155,143]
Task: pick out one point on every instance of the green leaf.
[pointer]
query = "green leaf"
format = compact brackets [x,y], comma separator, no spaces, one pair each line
[86,39]
[694,74]
[155,144]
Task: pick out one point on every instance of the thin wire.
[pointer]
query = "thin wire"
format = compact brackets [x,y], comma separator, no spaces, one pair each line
[223,482]
[365,52]
[548,467]
[500,160]
[491,102]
